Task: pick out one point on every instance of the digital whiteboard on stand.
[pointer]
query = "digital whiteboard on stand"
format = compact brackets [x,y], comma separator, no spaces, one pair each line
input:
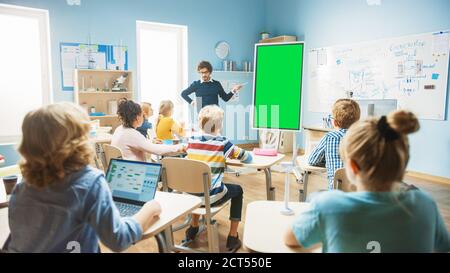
[277,88]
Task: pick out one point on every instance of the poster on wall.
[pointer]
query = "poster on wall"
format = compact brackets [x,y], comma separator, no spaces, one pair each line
[90,56]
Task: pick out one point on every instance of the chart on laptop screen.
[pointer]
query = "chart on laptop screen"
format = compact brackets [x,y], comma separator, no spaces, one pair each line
[134,181]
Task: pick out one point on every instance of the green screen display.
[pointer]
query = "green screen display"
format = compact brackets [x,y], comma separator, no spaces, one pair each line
[278,86]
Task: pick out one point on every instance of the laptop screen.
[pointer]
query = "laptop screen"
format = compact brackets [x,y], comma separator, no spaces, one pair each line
[133,180]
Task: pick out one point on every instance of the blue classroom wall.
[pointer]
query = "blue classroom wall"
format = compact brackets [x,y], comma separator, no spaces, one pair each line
[318,22]
[323,23]
[113,21]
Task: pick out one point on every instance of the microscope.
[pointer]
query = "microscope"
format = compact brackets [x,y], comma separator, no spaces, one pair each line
[118,84]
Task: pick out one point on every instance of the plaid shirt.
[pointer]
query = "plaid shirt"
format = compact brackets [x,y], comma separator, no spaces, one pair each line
[327,153]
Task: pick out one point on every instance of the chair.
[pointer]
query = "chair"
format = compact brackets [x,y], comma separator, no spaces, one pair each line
[111,151]
[192,176]
[341,181]
[99,158]
[313,178]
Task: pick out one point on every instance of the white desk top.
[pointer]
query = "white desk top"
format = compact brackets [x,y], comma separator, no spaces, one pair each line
[302,162]
[173,207]
[259,162]
[318,128]
[4,225]
[265,226]
[3,196]
[102,138]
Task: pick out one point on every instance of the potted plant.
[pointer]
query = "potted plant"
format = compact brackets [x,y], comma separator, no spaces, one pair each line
[265,35]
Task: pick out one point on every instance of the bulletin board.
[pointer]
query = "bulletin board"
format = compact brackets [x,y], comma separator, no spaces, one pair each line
[90,56]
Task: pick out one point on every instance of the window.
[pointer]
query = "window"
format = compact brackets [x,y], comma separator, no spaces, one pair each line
[25,79]
[162,65]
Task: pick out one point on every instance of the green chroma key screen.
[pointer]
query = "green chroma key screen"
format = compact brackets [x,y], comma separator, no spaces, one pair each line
[278,86]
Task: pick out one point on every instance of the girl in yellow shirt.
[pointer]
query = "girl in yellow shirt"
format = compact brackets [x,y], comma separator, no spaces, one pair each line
[166,126]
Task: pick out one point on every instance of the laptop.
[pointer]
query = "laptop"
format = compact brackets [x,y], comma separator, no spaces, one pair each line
[132,183]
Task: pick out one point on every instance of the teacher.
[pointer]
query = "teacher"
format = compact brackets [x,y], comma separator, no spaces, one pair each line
[207,89]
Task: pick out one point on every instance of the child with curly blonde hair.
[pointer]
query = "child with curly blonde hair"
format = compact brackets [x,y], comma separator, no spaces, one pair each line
[62,201]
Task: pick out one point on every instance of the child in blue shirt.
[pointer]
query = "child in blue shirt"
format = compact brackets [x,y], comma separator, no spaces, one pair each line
[63,204]
[146,125]
[345,113]
[381,216]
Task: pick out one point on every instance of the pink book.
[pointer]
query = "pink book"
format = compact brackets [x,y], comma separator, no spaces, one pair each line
[265,152]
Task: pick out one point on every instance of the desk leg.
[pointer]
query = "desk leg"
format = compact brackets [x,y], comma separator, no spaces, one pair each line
[270,190]
[298,174]
[162,246]
[305,186]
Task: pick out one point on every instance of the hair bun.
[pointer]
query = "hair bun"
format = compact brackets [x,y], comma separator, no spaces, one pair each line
[403,122]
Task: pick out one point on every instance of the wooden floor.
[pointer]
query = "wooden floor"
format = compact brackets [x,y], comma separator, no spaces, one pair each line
[253,185]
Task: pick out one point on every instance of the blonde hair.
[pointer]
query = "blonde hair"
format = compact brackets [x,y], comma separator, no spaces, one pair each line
[146,106]
[54,144]
[380,148]
[165,108]
[210,119]
[346,112]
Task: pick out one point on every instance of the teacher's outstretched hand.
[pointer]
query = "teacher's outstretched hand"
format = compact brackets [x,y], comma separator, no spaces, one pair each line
[207,90]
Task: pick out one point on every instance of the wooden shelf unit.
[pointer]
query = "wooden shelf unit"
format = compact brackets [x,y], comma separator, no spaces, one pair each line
[87,79]
[279,39]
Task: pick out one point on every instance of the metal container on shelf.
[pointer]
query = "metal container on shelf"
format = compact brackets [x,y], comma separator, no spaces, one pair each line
[246,66]
[226,66]
[232,66]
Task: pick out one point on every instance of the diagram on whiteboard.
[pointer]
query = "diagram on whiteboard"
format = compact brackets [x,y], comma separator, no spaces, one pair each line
[411,69]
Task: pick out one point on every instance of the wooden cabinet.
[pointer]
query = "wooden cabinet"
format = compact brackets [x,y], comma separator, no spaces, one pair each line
[94,92]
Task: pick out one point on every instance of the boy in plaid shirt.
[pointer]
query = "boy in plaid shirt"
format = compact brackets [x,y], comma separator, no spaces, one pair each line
[345,113]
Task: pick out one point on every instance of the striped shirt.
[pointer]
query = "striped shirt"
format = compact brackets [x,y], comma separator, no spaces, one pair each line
[327,153]
[214,150]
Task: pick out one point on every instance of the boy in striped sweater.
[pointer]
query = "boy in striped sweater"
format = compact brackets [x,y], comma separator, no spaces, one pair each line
[214,149]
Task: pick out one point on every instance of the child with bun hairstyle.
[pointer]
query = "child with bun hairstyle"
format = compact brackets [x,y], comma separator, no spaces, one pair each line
[380,216]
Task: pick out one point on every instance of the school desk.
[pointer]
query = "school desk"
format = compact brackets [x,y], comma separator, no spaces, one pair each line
[265,227]
[314,178]
[261,163]
[174,206]
[4,226]
[102,138]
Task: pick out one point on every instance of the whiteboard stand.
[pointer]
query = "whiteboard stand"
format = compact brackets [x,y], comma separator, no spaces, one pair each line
[287,166]
[295,170]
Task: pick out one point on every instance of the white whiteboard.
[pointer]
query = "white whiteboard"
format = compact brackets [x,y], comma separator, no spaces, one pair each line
[412,69]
